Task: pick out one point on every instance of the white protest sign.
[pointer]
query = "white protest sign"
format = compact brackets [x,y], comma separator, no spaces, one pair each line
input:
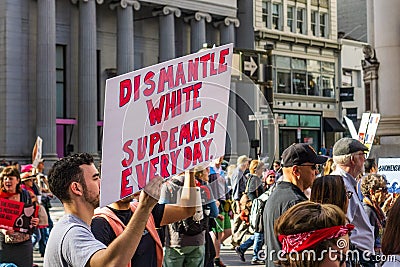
[363,127]
[371,131]
[37,152]
[390,167]
[352,129]
[164,119]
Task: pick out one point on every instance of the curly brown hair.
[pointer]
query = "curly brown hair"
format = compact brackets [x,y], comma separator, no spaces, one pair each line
[372,182]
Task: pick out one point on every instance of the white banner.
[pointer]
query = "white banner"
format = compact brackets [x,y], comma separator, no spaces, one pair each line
[390,167]
[164,119]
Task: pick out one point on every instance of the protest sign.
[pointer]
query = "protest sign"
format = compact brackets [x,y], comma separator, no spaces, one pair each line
[17,215]
[37,152]
[352,129]
[363,127]
[390,167]
[368,126]
[164,119]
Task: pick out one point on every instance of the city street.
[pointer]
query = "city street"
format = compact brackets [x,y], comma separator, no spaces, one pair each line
[228,255]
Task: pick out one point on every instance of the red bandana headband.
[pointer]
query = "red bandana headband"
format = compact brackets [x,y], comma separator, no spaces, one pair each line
[302,241]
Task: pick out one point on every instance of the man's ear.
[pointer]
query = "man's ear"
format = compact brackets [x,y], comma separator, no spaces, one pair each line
[296,171]
[76,188]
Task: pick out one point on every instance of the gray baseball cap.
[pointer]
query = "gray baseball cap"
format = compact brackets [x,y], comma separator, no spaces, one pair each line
[347,146]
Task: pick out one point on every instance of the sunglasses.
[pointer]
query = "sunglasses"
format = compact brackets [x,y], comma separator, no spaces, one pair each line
[313,166]
[349,194]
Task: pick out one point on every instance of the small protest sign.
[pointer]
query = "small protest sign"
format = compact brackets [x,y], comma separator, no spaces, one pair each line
[390,167]
[17,215]
[164,119]
[37,152]
[368,126]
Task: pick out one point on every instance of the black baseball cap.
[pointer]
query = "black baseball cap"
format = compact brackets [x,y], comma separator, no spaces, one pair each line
[298,154]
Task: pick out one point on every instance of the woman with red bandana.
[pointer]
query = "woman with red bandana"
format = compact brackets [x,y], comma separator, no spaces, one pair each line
[313,235]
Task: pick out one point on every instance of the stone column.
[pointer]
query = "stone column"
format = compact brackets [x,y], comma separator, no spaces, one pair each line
[227,29]
[198,30]
[245,32]
[387,47]
[167,32]
[125,34]
[232,121]
[182,37]
[87,80]
[46,77]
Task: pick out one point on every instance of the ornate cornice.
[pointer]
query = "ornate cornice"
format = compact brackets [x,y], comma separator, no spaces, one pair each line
[76,1]
[198,16]
[125,4]
[201,15]
[168,10]
[229,20]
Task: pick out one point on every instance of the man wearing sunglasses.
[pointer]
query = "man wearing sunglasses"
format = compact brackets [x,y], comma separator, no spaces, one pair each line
[349,156]
[299,171]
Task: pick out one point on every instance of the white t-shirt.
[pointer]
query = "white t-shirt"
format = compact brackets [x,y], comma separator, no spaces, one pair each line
[71,243]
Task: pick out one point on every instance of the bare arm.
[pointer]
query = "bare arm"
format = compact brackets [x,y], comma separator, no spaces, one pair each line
[174,213]
[122,249]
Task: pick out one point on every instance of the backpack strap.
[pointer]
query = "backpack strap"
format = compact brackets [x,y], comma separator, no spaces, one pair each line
[25,197]
[151,227]
[249,177]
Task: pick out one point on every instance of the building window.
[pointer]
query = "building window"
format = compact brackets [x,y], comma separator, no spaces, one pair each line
[304,77]
[60,81]
[314,15]
[290,18]
[319,23]
[276,16]
[347,78]
[265,13]
[323,25]
[300,20]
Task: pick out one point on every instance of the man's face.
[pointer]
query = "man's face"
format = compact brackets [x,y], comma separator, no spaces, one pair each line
[308,172]
[358,160]
[276,166]
[91,184]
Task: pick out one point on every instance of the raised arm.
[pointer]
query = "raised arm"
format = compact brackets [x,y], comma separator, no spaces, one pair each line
[122,249]
[187,208]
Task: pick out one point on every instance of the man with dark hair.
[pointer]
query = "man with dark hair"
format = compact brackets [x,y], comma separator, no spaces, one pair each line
[299,172]
[76,182]
[370,166]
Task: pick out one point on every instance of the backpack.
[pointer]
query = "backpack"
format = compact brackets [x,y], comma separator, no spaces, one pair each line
[190,226]
[257,209]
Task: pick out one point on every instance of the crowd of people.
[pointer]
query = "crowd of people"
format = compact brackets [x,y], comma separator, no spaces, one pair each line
[312,210]
[27,184]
